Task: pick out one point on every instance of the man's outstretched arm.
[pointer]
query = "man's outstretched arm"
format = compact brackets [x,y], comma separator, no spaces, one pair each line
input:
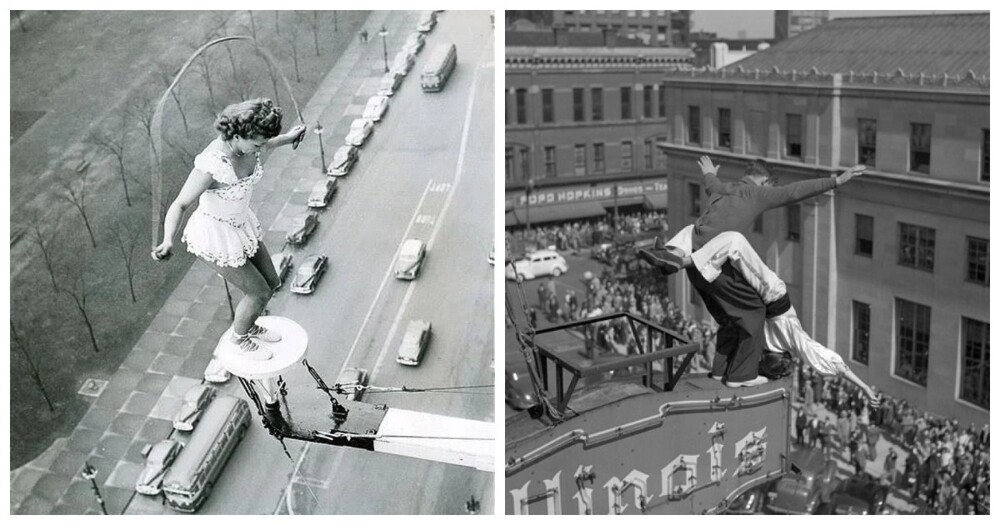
[775,197]
[711,172]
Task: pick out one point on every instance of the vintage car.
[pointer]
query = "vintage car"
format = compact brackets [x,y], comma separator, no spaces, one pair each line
[159,457]
[195,400]
[350,378]
[361,129]
[308,274]
[343,160]
[302,227]
[800,490]
[281,262]
[415,340]
[376,107]
[861,494]
[410,259]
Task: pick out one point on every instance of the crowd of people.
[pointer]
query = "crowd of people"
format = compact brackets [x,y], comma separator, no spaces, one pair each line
[576,236]
[946,469]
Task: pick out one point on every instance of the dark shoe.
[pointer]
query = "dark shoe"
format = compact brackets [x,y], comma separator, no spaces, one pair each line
[665,260]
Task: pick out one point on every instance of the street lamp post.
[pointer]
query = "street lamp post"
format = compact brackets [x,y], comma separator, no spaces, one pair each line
[529,188]
[318,130]
[385,51]
[90,473]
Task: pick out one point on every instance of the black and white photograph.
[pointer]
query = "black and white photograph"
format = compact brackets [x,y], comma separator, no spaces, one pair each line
[746,262]
[252,262]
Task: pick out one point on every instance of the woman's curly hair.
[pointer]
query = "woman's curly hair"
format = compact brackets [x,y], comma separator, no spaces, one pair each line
[251,118]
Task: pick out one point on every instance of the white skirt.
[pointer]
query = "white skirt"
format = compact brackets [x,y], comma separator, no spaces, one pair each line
[223,242]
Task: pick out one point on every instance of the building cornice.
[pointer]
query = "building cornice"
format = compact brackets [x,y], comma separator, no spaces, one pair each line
[970,82]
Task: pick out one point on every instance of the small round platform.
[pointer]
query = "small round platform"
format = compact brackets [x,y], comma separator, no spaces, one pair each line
[286,353]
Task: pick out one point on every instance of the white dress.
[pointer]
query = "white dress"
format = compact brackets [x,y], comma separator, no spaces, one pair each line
[223,230]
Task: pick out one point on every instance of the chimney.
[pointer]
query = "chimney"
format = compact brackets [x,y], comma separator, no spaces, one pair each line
[561,33]
[610,37]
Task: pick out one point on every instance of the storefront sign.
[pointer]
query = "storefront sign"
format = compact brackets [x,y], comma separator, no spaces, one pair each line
[596,192]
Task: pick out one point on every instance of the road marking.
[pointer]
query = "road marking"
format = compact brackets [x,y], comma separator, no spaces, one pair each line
[425,219]
[441,188]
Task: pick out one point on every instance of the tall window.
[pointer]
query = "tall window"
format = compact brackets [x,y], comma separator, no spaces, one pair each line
[794,215]
[596,104]
[578,115]
[975,386]
[521,105]
[647,155]
[793,135]
[978,264]
[626,102]
[862,314]
[598,158]
[725,128]
[864,235]
[867,128]
[550,161]
[508,165]
[913,335]
[548,109]
[920,147]
[525,163]
[694,124]
[984,173]
[694,197]
[663,103]
[580,159]
[647,101]
[916,247]
[627,155]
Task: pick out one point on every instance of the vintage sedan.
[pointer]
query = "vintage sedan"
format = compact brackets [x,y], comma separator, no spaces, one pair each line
[308,274]
[351,378]
[215,372]
[410,259]
[801,490]
[361,129]
[281,262]
[389,83]
[537,264]
[861,494]
[428,19]
[414,43]
[343,160]
[402,63]
[376,108]
[321,193]
[518,390]
[302,227]
[415,340]
[196,399]
[159,457]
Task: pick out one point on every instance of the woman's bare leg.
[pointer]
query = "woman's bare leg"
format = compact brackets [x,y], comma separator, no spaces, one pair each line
[256,293]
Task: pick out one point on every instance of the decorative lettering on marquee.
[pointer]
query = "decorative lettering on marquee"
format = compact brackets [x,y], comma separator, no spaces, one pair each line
[616,487]
[687,465]
[584,496]
[553,495]
[718,434]
[520,499]
[751,451]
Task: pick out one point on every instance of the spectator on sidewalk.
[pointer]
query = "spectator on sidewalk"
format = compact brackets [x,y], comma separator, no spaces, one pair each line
[800,426]
[872,435]
[363,36]
[860,457]
[889,467]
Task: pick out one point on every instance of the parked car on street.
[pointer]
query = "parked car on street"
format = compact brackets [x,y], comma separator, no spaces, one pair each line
[195,400]
[402,63]
[376,107]
[343,160]
[390,83]
[351,377]
[750,501]
[415,340]
[537,264]
[414,43]
[321,193]
[361,128]
[308,274]
[428,19]
[159,457]
[215,372]
[518,390]
[861,494]
[302,227]
[800,491]
[410,259]
[282,262]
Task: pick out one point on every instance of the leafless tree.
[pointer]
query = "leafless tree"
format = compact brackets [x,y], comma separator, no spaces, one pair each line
[219,21]
[75,192]
[78,292]
[140,108]
[42,240]
[187,156]
[32,367]
[273,75]
[115,142]
[313,21]
[166,74]
[294,52]
[203,65]
[126,238]
[244,83]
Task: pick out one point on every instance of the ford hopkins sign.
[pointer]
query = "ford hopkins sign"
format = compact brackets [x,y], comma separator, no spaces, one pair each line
[681,452]
[600,192]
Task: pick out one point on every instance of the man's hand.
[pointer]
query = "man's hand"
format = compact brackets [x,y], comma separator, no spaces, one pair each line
[705,163]
[854,171]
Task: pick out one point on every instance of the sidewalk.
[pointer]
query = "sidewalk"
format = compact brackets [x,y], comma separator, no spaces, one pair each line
[137,405]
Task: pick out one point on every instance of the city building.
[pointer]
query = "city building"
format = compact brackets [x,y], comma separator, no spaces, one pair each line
[652,28]
[581,127]
[892,269]
[790,23]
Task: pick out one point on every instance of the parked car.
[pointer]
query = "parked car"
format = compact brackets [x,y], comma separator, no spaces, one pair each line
[343,160]
[361,128]
[195,400]
[411,349]
[800,491]
[281,262]
[321,193]
[389,83]
[750,501]
[861,494]
[414,43]
[428,19]
[376,107]
[402,63]
[159,457]
[353,377]
[215,372]
[518,390]
[537,264]
[411,257]
[302,227]
[308,274]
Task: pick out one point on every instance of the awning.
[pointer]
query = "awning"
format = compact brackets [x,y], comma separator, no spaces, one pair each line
[656,201]
[555,212]
[652,201]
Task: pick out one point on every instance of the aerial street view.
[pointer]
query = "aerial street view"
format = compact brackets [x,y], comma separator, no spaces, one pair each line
[252,258]
[747,262]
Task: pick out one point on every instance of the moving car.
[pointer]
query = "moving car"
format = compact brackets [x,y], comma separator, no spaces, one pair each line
[215,372]
[537,264]
[389,83]
[411,257]
[402,63]
[361,128]
[411,350]
[159,457]
[375,108]
[308,274]
[414,43]
[281,262]
[195,400]
[353,377]
[800,490]
[439,68]
[428,19]
[343,160]
[518,390]
[321,193]
[302,227]
[861,494]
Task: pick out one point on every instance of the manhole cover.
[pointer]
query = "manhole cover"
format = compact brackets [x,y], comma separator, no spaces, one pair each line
[92,387]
